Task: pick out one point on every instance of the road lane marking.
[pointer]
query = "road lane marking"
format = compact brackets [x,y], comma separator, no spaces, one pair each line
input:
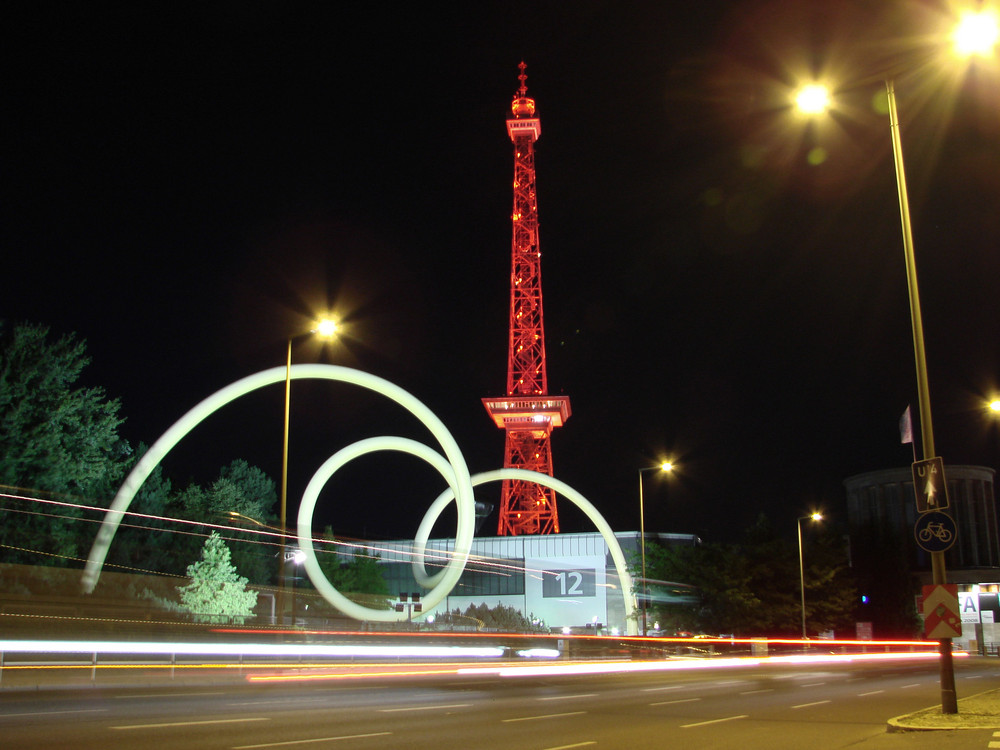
[806,705]
[567,697]
[669,687]
[575,744]
[679,700]
[911,685]
[190,723]
[422,708]
[282,702]
[813,684]
[53,713]
[714,721]
[164,695]
[317,739]
[873,692]
[544,716]
[755,692]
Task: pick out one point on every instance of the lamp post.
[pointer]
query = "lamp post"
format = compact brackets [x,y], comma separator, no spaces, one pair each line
[975,35]
[802,569]
[665,466]
[326,328]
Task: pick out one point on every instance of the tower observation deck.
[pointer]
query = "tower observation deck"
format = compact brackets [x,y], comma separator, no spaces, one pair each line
[527,414]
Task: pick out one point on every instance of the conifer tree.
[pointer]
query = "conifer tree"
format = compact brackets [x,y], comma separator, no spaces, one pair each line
[217,593]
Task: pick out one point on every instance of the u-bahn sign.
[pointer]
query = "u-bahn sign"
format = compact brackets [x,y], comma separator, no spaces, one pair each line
[929,485]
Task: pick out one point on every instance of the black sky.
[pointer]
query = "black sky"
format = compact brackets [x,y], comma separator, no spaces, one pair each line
[185,184]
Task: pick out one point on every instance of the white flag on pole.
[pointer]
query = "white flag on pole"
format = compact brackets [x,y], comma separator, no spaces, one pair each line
[906,426]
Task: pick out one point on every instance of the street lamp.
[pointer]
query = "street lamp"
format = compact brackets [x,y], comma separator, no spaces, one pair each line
[667,467]
[974,36]
[325,328]
[802,569]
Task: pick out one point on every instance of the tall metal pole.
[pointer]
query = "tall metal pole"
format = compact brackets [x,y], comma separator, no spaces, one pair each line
[949,700]
[642,548]
[284,488]
[802,578]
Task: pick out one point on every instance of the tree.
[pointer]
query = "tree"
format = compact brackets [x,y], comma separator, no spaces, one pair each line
[55,439]
[216,593]
[355,573]
[752,588]
[249,493]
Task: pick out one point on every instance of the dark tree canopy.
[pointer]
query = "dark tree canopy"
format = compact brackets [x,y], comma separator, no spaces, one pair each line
[57,440]
[753,588]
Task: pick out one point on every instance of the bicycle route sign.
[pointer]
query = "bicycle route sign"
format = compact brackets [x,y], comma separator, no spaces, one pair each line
[935,531]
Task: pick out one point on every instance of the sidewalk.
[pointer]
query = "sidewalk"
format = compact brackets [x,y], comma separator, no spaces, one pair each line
[980,711]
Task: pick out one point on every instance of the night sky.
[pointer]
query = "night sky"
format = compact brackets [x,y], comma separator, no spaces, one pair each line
[185,186]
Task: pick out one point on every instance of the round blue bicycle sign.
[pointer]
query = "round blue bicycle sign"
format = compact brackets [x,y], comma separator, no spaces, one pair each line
[935,531]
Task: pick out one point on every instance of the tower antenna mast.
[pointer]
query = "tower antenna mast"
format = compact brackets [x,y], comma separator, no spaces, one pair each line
[527,414]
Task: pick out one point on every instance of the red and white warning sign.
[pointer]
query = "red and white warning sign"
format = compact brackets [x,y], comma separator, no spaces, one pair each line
[941,617]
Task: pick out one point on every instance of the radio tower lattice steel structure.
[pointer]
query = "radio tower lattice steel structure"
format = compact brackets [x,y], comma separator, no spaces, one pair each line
[527,414]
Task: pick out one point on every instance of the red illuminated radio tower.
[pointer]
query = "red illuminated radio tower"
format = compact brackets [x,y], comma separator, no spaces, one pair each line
[527,413]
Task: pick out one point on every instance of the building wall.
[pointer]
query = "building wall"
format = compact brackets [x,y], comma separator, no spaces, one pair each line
[885,501]
[564,580]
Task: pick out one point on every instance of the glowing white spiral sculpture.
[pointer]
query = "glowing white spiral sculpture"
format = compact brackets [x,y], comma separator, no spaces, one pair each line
[451,466]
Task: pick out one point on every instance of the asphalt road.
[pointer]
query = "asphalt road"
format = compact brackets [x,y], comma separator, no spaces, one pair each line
[767,707]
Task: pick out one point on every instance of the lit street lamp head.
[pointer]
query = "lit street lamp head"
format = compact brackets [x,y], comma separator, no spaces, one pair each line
[813,99]
[326,327]
[976,34]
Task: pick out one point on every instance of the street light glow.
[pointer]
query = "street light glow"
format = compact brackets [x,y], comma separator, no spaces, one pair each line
[976,34]
[666,466]
[326,327]
[994,406]
[812,99]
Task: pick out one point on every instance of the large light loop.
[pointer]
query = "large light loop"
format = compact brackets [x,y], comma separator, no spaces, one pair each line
[449,576]
[451,466]
[151,459]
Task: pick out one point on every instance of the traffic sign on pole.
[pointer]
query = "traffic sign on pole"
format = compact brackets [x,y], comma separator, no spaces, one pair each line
[941,617]
[929,485]
[935,531]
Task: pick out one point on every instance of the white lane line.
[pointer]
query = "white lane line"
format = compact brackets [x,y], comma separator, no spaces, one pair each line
[544,716]
[755,692]
[54,713]
[317,739]
[575,744]
[813,684]
[191,723]
[567,697]
[679,700]
[164,695]
[911,685]
[806,705]
[282,702]
[714,721]
[873,692]
[668,687]
[422,708]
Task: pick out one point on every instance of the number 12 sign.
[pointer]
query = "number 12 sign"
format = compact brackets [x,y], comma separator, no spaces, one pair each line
[559,583]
